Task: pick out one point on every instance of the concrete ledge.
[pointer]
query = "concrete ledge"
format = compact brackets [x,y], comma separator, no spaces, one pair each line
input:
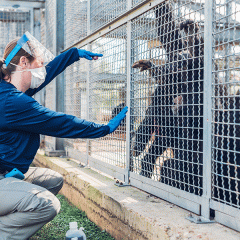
[126,212]
[56,153]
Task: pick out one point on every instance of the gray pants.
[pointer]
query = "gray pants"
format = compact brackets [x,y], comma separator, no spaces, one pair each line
[26,206]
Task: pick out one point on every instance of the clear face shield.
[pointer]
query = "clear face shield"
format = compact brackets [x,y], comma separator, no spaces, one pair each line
[41,55]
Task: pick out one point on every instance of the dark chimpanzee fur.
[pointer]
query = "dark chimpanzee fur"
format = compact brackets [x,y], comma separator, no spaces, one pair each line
[175,115]
[117,110]
[226,154]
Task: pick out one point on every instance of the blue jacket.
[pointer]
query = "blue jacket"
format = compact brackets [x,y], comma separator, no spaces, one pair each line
[23,119]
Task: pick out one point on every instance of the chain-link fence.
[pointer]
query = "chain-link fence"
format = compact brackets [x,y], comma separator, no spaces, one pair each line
[176,65]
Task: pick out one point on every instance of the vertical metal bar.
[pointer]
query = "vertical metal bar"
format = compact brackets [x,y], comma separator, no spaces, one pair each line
[37,34]
[129,4]
[37,24]
[32,21]
[54,85]
[227,48]
[207,113]
[60,78]
[88,17]
[128,67]
[89,48]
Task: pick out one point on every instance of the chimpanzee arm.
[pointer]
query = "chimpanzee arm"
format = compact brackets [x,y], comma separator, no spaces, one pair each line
[195,43]
[147,126]
[168,31]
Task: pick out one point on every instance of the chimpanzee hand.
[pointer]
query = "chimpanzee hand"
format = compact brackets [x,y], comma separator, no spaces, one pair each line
[116,121]
[88,55]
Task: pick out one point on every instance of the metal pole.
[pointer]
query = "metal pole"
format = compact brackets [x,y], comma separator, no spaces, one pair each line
[207,113]
[227,47]
[60,78]
[37,34]
[88,76]
[88,17]
[32,21]
[89,48]
[54,86]
[128,67]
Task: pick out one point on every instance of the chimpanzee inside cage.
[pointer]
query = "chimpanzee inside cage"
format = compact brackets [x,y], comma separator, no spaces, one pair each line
[173,121]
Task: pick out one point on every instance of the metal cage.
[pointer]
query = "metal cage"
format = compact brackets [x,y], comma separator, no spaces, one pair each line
[176,65]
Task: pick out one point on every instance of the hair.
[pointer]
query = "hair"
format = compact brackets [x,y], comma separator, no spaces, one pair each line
[6,72]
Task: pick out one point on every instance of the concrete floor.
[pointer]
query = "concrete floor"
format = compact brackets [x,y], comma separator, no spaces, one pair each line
[127,212]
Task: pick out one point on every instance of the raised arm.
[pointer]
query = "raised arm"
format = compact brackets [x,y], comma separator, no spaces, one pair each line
[56,66]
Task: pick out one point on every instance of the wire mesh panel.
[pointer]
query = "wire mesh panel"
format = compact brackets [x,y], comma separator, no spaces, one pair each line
[108,95]
[102,12]
[13,23]
[76,74]
[75,21]
[76,99]
[226,103]
[167,98]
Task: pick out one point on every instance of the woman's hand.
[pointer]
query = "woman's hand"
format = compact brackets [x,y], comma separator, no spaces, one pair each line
[116,121]
[88,55]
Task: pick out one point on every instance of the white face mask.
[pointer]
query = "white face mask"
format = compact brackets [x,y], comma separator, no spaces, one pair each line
[38,77]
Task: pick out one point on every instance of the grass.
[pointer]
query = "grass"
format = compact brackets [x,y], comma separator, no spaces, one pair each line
[57,228]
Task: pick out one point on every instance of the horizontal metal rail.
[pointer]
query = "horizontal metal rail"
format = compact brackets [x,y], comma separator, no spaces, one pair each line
[119,21]
[23,4]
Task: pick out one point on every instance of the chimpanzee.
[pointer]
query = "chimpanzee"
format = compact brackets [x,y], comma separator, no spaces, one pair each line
[175,115]
[116,110]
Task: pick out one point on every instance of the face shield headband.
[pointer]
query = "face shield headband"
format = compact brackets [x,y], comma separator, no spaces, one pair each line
[33,47]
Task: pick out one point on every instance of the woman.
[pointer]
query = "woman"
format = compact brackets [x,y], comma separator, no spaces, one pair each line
[26,68]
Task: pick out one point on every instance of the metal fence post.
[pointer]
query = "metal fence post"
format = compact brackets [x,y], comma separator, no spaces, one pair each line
[58,83]
[60,78]
[37,34]
[227,48]
[88,103]
[88,76]
[128,67]
[207,113]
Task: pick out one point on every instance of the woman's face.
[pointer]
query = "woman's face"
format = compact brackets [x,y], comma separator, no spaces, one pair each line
[26,76]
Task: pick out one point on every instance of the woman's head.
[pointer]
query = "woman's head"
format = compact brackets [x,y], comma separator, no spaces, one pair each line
[5,73]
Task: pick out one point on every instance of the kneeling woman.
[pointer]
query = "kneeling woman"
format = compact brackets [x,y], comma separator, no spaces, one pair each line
[26,68]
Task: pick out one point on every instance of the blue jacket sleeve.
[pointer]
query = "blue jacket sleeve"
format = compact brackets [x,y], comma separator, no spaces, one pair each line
[23,113]
[55,67]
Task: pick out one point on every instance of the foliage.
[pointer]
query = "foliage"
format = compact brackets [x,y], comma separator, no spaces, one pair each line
[57,228]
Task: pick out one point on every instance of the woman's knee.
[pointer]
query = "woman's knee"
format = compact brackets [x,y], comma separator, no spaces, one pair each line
[55,208]
[49,205]
[57,183]
[45,177]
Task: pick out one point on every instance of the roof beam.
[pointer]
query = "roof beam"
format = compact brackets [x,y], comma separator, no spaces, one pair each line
[22,4]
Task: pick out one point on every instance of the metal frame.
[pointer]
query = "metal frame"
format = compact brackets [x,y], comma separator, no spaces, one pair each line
[198,204]
[23,4]
[224,213]
[128,16]
[187,200]
[207,123]
[101,165]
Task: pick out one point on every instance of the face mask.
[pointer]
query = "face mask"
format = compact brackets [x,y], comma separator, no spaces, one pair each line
[38,77]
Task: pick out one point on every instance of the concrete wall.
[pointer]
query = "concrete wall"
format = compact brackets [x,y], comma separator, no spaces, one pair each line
[126,212]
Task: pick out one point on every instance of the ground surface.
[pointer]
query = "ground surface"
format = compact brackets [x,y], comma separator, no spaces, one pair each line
[57,228]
